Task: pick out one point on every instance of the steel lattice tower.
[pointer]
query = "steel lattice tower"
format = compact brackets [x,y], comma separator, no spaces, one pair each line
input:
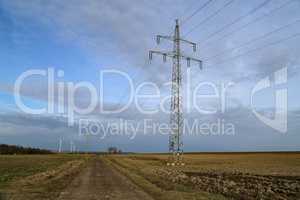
[176,116]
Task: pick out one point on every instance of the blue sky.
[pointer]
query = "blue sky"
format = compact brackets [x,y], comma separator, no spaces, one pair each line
[84,37]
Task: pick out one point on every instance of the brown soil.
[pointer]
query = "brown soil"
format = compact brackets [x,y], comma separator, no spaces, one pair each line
[238,185]
[100,181]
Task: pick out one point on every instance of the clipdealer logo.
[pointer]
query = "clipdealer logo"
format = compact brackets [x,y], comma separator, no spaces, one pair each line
[68,89]
[279,121]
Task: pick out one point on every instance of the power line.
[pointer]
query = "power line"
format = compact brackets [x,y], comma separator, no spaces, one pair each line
[215,13]
[186,10]
[252,40]
[183,21]
[171,31]
[256,49]
[253,21]
[209,17]
[196,11]
[236,20]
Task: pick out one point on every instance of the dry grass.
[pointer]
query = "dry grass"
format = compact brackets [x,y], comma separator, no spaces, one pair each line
[23,177]
[19,166]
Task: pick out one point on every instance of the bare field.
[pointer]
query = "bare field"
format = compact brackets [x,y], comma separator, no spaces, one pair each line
[216,176]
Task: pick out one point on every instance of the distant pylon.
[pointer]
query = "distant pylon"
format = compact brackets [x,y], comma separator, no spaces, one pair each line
[71,146]
[60,145]
[176,117]
[74,148]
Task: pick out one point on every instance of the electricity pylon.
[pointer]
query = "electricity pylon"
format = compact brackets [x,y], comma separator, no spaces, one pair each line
[176,117]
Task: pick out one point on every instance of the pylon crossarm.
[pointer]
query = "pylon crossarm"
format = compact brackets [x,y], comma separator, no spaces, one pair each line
[194,45]
[161,53]
[159,37]
[189,59]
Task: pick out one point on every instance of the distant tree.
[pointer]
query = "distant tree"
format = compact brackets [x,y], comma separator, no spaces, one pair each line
[113,150]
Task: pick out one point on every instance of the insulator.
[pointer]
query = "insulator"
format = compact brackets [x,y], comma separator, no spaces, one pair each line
[158,39]
[200,65]
[194,47]
[150,55]
[188,60]
[165,57]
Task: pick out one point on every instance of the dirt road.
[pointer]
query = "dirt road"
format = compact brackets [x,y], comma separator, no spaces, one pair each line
[100,181]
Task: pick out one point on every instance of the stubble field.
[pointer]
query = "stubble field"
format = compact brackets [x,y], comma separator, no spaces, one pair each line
[205,176]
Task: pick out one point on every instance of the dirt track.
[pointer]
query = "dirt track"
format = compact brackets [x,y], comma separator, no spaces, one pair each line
[100,181]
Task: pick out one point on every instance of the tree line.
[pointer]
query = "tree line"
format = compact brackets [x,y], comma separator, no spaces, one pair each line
[14,149]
